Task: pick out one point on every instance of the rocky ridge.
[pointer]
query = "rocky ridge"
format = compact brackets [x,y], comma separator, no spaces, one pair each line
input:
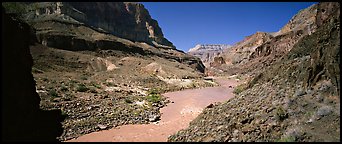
[296,99]
[207,52]
[261,49]
[127,20]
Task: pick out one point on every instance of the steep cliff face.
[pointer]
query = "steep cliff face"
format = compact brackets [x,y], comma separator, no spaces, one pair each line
[125,27]
[207,52]
[125,20]
[304,20]
[260,50]
[242,50]
[22,119]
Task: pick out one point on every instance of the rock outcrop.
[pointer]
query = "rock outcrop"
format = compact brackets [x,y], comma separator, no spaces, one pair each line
[207,52]
[122,27]
[295,99]
[304,20]
[123,19]
[22,119]
[261,49]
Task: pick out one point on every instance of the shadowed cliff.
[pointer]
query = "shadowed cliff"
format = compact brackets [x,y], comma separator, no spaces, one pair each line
[22,120]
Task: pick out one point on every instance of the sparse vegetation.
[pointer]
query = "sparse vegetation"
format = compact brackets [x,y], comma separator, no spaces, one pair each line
[96,85]
[45,79]
[92,90]
[82,88]
[238,89]
[73,81]
[154,95]
[255,80]
[109,84]
[287,139]
[154,98]
[53,93]
[83,77]
[281,114]
[154,91]
[127,100]
[63,88]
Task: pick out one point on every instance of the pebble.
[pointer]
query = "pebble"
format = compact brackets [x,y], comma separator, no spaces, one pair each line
[102,127]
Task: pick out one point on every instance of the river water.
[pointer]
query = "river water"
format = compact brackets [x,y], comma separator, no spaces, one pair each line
[186,106]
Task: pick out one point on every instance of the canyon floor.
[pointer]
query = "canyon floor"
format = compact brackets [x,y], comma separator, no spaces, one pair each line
[184,107]
[101,90]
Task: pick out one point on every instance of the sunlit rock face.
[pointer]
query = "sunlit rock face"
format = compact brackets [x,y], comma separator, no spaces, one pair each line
[207,52]
[126,20]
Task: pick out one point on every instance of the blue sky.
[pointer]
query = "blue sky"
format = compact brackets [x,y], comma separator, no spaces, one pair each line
[186,24]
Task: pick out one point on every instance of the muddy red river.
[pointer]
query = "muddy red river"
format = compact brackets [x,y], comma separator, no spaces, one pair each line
[174,117]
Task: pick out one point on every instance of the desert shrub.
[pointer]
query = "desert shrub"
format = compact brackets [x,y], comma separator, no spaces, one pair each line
[82,88]
[73,81]
[96,85]
[255,80]
[154,91]
[153,95]
[92,90]
[83,77]
[63,88]
[127,100]
[45,79]
[109,84]
[238,89]
[53,93]
[323,111]
[281,114]
[154,98]
[64,114]
[239,77]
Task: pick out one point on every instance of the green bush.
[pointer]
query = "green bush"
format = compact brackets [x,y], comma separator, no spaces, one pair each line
[154,91]
[154,98]
[63,88]
[96,85]
[82,88]
[281,114]
[238,89]
[127,100]
[53,93]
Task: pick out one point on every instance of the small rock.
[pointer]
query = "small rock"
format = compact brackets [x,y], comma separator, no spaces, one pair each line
[56,99]
[210,106]
[310,120]
[154,118]
[236,132]
[102,127]
[300,92]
